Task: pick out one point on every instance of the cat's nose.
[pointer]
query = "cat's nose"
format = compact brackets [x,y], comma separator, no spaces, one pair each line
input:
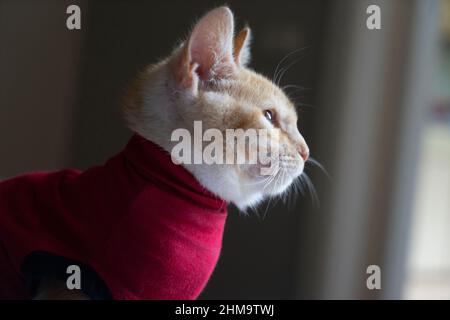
[303,150]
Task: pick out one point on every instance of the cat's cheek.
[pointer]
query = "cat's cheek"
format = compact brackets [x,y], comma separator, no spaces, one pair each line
[253,171]
[258,173]
[299,169]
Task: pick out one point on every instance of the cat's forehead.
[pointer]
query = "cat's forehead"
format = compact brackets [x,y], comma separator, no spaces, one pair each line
[252,87]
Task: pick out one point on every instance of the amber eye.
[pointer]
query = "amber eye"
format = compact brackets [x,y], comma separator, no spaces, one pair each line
[269,115]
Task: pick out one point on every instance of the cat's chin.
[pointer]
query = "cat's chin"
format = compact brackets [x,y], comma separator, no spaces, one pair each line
[227,184]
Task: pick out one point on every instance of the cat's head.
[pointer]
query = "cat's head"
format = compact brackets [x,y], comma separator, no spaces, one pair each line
[206,79]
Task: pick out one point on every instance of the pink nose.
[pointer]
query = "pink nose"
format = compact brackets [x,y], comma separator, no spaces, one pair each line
[303,150]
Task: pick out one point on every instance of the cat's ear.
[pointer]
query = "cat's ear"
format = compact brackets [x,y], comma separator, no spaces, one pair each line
[208,53]
[241,51]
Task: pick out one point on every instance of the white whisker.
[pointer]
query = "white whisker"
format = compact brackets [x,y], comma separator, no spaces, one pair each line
[275,76]
[319,165]
[285,69]
[312,190]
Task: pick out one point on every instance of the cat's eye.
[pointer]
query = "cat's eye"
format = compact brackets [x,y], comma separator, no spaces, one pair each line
[268,114]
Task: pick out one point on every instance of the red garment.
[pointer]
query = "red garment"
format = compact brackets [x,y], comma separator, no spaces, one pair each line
[144,224]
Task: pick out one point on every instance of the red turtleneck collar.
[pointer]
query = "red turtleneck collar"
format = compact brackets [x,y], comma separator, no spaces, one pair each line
[145,225]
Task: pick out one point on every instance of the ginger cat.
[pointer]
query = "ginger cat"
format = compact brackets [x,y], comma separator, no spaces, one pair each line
[207,79]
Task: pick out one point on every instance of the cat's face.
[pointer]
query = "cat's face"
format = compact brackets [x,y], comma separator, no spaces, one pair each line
[207,80]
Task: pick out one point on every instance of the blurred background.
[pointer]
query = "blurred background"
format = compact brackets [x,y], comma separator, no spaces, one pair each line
[374,108]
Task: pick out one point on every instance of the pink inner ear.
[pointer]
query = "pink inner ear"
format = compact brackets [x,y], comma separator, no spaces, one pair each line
[211,44]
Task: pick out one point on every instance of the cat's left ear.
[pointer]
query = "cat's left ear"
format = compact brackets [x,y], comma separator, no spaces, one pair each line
[208,53]
[241,49]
